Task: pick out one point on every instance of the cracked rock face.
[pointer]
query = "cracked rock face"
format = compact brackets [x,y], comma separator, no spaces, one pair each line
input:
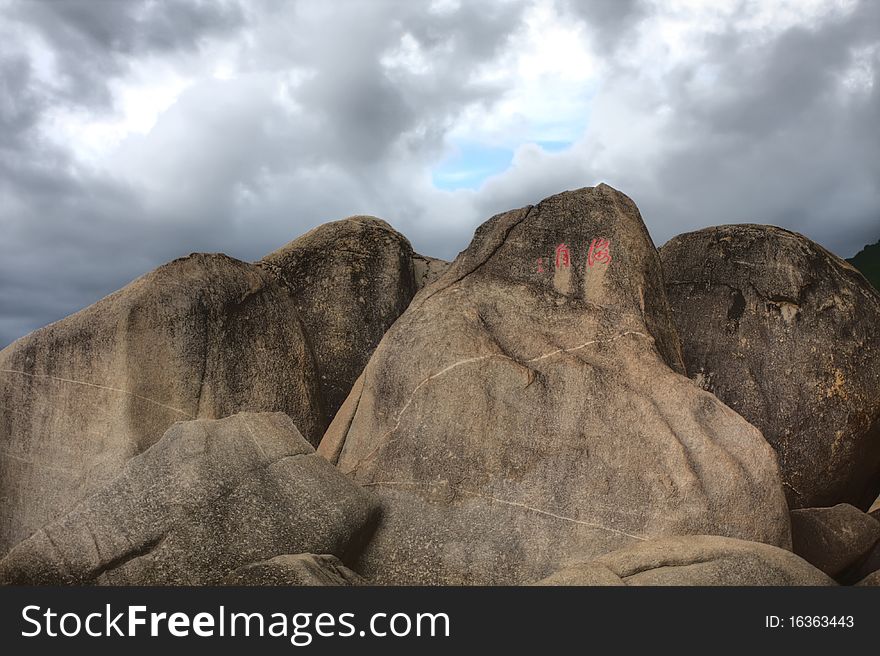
[529,410]
[207,499]
[203,336]
[693,560]
[350,280]
[788,335]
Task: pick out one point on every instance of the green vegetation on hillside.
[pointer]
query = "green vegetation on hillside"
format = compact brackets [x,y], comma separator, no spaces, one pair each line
[867,261]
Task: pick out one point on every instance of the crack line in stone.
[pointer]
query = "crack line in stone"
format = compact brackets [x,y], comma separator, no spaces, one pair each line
[517,504]
[479,358]
[8,454]
[95,385]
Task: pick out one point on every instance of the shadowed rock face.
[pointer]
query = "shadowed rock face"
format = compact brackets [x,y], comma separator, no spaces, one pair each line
[693,560]
[203,336]
[871,580]
[208,498]
[834,538]
[528,410]
[788,335]
[350,280]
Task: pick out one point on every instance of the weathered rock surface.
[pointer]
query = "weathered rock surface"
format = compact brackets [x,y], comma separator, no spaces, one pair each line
[202,337]
[788,335]
[866,565]
[835,538]
[350,280]
[208,498]
[299,569]
[528,409]
[427,269]
[871,579]
[693,560]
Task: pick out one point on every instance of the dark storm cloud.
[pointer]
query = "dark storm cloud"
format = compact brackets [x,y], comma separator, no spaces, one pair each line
[65,230]
[609,21]
[763,87]
[362,107]
[94,41]
[778,137]
[19,106]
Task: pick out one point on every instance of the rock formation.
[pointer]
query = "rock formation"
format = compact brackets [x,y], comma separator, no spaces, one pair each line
[833,539]
[207,499]
[204,336]
[529,410]
[522,415]
[693,560]
[350,280]
[427,269]
[788,335]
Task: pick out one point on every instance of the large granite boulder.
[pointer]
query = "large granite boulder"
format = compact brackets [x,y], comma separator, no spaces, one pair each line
[349,280]
[788,335]
[205,336]
[295,569]
[529,408]
[693,560]
[833,539]
[210,497]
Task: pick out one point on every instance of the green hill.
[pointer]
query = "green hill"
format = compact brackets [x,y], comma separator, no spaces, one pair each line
[867,261]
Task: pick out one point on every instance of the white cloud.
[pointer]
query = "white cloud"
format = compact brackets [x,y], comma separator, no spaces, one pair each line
[408,56]
[549,74]
[138,100]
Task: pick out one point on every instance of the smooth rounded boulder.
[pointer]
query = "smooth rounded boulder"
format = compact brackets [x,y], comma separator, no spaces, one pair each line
[349,281]
[788,335]
[694,560]
[208,498]
[204,336]
[530,408]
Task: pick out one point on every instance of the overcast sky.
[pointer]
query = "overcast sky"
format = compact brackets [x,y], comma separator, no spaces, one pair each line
[132,133]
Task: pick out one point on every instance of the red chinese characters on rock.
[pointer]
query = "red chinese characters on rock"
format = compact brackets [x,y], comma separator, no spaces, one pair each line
[563,257]
[600,251]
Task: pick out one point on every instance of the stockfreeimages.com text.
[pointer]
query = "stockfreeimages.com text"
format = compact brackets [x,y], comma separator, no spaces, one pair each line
[300,628]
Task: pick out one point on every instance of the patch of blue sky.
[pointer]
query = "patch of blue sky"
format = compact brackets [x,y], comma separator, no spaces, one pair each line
[472,160]
[471,164]
[468,166]
[554,146]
